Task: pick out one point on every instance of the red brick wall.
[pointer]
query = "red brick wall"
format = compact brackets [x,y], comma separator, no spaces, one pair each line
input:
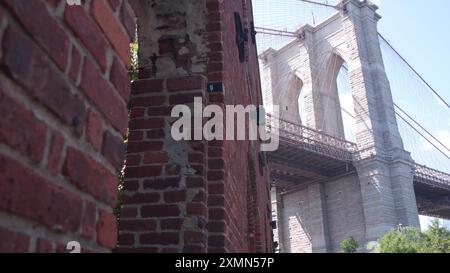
[64,92]
[238,215]
[63,95]
[192,196]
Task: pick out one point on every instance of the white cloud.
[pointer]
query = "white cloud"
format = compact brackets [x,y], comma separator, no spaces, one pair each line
[442,136]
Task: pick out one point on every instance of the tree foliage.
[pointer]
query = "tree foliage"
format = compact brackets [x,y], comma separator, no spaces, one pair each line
[411,240]
[349,245]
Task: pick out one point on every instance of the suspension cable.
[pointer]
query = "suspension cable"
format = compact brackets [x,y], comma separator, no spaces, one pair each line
[276,32]
[421,127]
[321,4]
[415,129]
[415,71]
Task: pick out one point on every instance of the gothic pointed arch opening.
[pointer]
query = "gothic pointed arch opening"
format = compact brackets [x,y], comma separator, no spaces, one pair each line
[346,103]
[290,100]
[336,100]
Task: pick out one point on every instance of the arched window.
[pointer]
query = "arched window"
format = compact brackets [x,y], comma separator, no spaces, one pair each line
[346,103]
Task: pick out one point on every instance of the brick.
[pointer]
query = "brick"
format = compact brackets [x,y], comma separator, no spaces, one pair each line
[76,63]
[175,196]
[133,160]
[112,29]
[216,240]
[85,29]
[114,4]
[217,214]
[94,179]
[216,200]
[138,225]
[107,229]
[89,220]
[131,185]
[126,239]
[196,209]
[44,84]
[195,182]
[216,164]
[159,111]
[114,150]
[199,197]
[141,198]
[53,3]
[94,130]
[138,250]
[214,6]
[30,196]
[172,169]
[216,175]
[135,136]
[129,21]
[162,183]
[172,224]
[128,212]
[104,97]
[194,249]
[213,27]
[120,80]
[214,152]
[156,134]
[169,250]
[145,146]
[194,237]
[154,158]
[147,101]
[216,226]
[166,238]
[30,137]
[198,169]
[34,15]
[196,158]
[147,86]
[183,98]
[160,211]
[141,172]
[186,84]
[137,113]
[43,246]
[13,242]
[54,157]
[151,123]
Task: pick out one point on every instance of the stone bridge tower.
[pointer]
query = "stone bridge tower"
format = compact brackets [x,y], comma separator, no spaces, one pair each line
[379,194]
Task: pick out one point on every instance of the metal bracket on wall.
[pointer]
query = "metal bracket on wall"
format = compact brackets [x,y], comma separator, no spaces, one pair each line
[253,32]
[241,36]
[215,87]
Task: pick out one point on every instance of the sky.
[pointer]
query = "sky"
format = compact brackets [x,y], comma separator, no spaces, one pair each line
[418,29]
[421,33]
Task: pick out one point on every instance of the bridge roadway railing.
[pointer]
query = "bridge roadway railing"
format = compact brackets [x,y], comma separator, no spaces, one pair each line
[432,177]
[311,140]
[327,145]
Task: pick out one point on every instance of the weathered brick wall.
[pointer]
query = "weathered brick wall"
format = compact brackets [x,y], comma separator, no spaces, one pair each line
[64,92]
[192,196]
[63,95]
[245,218]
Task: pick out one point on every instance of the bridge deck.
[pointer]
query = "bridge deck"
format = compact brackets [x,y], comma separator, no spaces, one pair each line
[307,155]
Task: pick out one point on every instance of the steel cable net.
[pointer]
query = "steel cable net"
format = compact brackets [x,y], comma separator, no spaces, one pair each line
[423,118]
[285,15]
[276,22]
